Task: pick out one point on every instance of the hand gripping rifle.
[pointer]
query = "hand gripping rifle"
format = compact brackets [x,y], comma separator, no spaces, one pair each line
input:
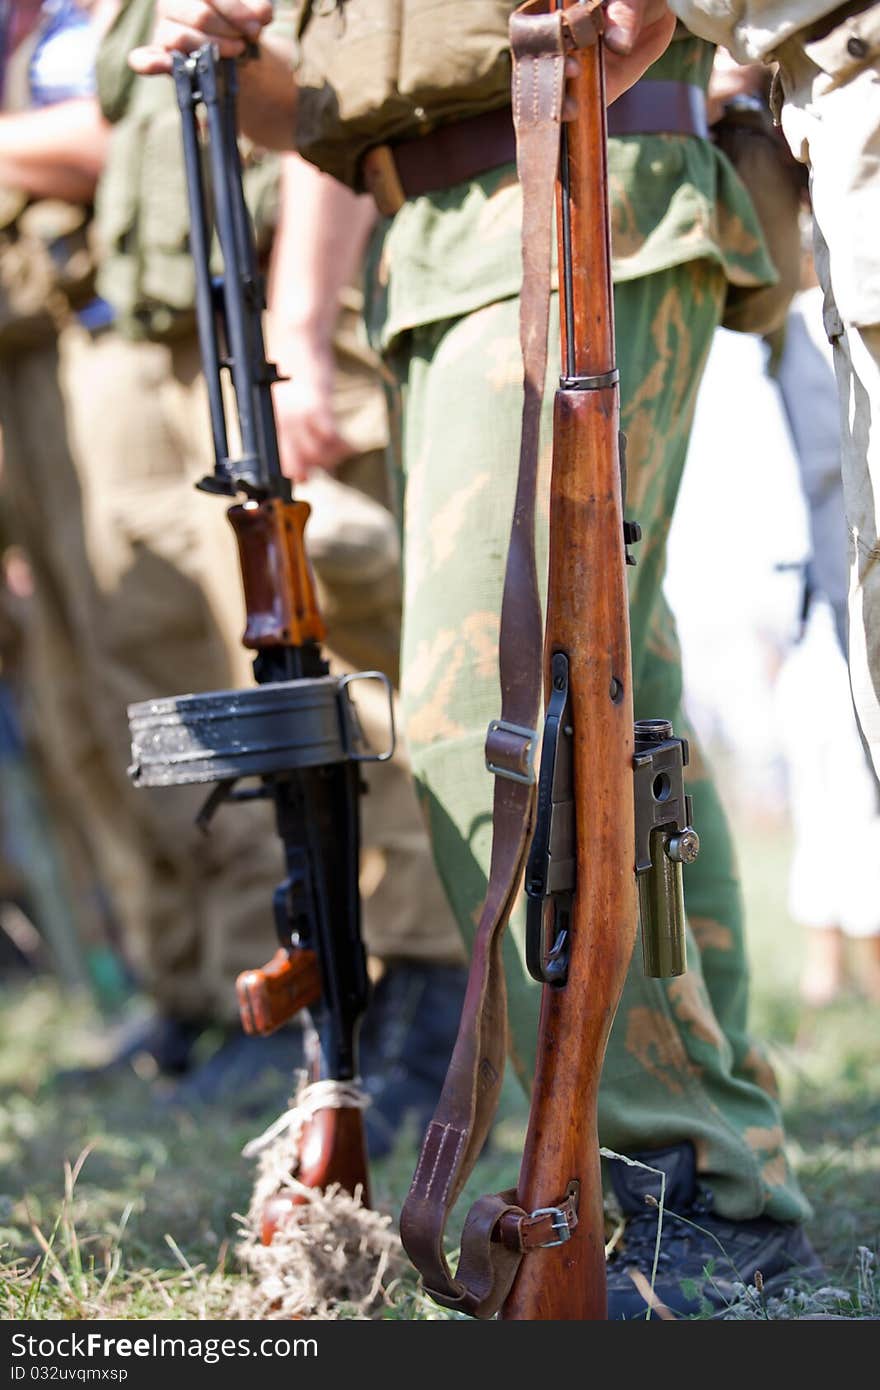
[296,732]
[608,809]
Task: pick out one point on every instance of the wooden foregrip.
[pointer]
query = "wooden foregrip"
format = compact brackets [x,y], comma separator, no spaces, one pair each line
[279,589]
[270,997]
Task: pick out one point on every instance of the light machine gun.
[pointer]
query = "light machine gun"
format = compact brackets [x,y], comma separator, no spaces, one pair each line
[294,737]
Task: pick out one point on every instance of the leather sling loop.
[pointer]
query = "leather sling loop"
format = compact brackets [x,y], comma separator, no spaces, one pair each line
[497,1232]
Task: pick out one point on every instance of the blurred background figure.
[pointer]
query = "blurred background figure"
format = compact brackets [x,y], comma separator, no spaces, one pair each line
[834,883]
[761,521]
[835,875]
[50,148]
[22,944]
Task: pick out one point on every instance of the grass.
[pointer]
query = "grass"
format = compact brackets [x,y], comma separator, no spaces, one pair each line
[112,1206]
[109,1207]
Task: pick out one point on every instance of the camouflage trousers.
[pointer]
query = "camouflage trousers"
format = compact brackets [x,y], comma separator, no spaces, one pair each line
[680,1063]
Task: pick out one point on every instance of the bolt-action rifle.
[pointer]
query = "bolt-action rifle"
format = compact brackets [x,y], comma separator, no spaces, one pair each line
[294,737]
[602,830]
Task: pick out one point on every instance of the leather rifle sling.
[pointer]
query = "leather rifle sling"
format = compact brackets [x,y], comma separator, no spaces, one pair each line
[497,1232]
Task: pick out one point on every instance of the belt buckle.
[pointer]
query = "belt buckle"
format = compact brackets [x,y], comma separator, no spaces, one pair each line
[382,180]
[560,1223]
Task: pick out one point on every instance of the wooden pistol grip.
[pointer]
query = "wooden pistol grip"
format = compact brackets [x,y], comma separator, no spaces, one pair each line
[271,996]
[333,1149]
[279,588]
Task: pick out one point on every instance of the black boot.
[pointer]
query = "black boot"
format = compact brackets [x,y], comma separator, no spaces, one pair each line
[246,1075]
[703,1257]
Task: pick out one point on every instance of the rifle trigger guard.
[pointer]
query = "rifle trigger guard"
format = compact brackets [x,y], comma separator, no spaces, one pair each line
[551,865]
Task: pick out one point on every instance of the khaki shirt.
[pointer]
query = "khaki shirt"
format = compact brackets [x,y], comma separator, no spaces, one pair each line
[371,71]
[751,29]
[142,219]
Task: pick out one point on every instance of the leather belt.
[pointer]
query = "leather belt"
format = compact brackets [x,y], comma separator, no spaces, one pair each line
[454,153]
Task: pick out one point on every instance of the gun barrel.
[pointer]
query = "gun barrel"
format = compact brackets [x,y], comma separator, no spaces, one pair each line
[204,80]
[200,246]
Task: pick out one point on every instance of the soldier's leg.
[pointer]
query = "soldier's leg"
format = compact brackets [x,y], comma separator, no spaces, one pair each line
[708,1004]
[353,543]
[690,1035]
[416,952]
[47,871]
[458,500]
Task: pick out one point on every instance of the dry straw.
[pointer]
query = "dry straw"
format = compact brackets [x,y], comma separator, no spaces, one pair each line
[332,1257]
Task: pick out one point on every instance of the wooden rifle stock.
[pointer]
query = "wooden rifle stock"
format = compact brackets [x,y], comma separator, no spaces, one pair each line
[610,807]
[538,1252]
[588,623]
